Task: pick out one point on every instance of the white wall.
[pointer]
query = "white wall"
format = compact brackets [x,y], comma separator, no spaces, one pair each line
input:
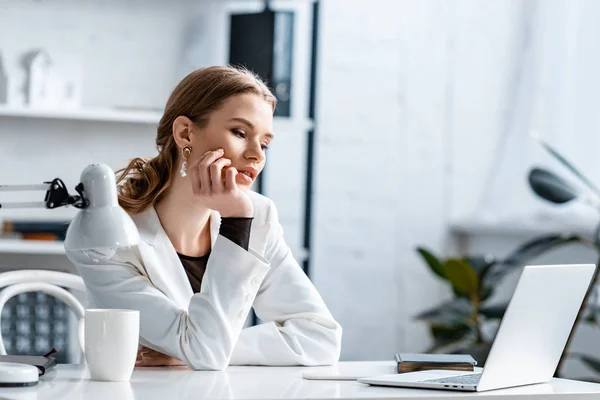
[382,168]
[415,100]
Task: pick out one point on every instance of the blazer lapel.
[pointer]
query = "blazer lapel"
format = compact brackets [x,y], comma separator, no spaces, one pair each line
[215,225]
[161,261]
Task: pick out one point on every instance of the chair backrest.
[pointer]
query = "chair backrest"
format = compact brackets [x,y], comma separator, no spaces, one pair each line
[49,282]
[62,279]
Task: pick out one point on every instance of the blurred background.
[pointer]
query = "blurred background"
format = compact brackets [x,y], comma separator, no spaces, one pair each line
[401,125]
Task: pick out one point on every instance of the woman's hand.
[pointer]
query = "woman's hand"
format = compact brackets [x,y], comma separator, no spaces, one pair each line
[151,358]
[220,195]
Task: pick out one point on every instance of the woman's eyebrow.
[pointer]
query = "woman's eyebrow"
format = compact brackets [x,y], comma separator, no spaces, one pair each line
[243,121]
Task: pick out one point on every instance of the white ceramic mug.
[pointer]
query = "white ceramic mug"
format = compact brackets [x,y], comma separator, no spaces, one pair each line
[111,343]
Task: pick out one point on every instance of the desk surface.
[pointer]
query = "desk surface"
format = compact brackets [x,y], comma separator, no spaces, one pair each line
[71,381]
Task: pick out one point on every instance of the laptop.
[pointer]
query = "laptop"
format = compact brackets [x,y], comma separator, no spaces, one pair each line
[529,341]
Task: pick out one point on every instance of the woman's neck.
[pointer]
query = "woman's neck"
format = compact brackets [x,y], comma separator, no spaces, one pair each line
[187,223]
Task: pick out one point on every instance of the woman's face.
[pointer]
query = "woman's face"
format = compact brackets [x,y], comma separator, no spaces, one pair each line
[243,128]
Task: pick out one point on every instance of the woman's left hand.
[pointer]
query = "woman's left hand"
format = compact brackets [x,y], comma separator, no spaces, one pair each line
[151,358]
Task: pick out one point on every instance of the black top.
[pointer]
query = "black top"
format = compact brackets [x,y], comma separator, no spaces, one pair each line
[235,229]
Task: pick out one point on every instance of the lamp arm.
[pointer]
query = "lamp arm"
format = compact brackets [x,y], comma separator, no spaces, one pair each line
[22,188]
[56,196]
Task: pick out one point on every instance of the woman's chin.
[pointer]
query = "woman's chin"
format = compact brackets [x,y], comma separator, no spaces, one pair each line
[245,187]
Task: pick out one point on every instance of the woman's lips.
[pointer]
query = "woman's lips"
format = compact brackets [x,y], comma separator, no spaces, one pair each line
[244,178]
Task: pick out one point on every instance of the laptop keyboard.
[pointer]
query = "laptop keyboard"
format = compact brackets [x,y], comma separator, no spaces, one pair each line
[471,379]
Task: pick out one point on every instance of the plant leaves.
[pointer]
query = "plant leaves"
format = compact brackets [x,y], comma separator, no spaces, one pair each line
[452,312]
[481,263]
[591,314]
[537,246]
[591,362]
[493,310]
[432,261]
[462,276]
[449,332]
[485,291]
[528,251]
[568,165]
[550,186]
[445,335]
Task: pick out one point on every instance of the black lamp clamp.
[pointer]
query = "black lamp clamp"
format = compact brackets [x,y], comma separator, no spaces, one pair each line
[56,196]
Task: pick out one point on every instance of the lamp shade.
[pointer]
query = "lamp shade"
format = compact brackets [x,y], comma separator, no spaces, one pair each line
[103,224]
[550,186]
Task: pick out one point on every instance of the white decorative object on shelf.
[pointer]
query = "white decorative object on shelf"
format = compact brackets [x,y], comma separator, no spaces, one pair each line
[38,65]
[52,82]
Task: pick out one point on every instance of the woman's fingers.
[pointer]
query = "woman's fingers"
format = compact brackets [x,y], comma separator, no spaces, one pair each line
[230,175]
[216,174]
[158,361]
[203,170]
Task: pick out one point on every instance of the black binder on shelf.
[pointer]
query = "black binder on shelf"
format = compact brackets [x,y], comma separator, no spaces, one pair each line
[263,43]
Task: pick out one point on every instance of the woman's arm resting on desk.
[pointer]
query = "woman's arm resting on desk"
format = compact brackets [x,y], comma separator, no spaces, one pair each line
[203,336]
[298,328]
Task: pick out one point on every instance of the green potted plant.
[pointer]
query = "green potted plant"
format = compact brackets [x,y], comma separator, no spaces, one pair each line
[458,324]
[557,190]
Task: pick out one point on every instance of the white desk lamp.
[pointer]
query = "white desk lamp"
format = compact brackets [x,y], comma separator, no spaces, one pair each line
[101,224]
[98,230]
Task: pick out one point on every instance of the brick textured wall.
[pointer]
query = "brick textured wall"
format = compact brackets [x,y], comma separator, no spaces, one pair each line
[381,168]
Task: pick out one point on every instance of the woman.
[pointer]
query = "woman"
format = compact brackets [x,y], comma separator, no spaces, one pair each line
[210,248]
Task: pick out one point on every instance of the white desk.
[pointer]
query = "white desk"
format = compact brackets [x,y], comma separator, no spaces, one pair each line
[72,382]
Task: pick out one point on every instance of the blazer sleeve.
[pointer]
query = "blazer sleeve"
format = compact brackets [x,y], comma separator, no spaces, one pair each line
[204,335]
[297,327]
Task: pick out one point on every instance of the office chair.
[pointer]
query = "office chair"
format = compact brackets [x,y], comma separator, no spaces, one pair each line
[49,282]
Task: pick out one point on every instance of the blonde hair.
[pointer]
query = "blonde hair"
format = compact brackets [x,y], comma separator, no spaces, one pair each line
[203,91]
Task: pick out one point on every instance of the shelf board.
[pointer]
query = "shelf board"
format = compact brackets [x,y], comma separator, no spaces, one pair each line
[537,223]
[83,114]
[125,116]
[17,246]
[64,214]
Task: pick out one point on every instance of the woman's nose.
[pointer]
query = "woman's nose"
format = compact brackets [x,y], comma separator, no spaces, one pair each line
[255,152]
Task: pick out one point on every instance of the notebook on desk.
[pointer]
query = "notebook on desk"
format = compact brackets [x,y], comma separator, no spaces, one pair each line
[42,363]
[411,362]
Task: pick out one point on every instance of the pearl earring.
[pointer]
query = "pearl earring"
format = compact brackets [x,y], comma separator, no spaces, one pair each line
[185,153]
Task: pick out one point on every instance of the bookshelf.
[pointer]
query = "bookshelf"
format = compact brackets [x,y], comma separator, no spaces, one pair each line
[83,114]
[17,246]
[124,89]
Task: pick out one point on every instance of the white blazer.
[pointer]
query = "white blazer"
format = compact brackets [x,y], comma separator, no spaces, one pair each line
[206,330]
